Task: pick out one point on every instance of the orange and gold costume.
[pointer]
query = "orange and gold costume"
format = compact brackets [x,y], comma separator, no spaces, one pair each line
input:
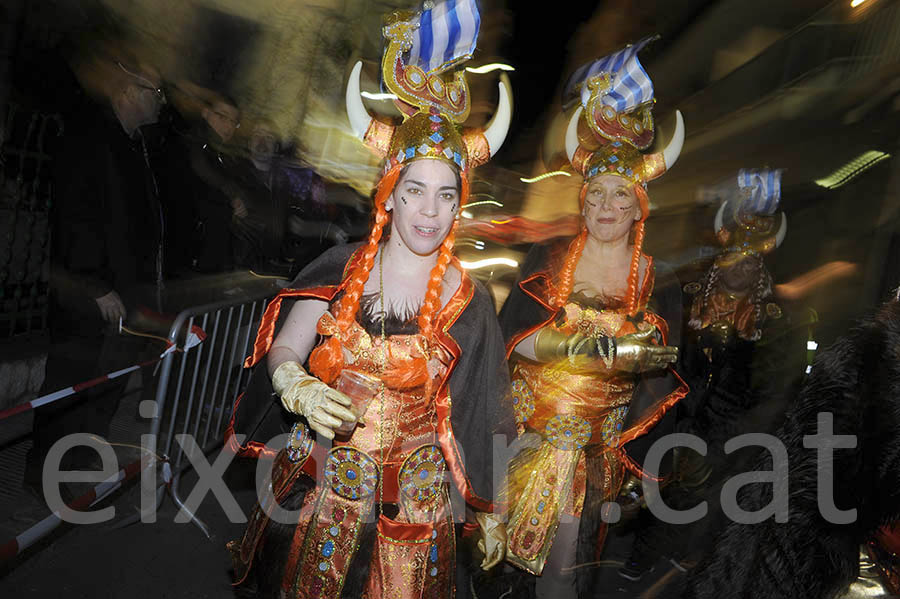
[415,437]
[581,415]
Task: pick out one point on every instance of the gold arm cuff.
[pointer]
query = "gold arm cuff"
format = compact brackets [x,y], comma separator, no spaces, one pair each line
[550,345]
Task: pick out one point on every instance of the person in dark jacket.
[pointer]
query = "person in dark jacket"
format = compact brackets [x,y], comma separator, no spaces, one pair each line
[108,253]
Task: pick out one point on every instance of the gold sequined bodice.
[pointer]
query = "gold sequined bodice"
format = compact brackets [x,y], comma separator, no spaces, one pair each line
[407,418]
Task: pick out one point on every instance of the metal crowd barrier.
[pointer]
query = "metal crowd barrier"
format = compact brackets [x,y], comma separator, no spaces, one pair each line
[197,387]
[196,391]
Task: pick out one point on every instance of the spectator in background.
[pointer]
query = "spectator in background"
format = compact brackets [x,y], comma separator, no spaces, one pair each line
[314,224]
[108,259]
[288,219]
[218,197]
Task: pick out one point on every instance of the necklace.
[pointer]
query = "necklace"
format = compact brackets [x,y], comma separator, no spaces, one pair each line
[383,370]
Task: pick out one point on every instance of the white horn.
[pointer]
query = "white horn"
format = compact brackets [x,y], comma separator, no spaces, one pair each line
[782,230]
[718,224]
[356,111]
[673,150]
[572,134]
[496,130]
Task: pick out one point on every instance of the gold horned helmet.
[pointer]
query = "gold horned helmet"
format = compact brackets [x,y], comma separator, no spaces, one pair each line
[614,122]
[750,222]
[434,102]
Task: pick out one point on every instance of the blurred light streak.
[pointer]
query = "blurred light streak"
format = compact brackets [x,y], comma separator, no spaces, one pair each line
[856,3]
[372,96]
[805,283]
[501,222]
[466,214]
[544,176]
[483,202]
[488,262]
[852,169]
[490,67]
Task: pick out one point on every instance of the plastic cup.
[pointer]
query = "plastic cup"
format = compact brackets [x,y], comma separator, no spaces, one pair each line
[361,389]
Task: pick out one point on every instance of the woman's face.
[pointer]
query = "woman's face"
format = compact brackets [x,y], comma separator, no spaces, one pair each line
[610,208]
[424,205]
[738,273]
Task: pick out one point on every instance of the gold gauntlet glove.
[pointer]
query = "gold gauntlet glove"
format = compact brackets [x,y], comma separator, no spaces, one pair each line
[632,353]
[323,407]
[636,353]
[493,539]
[551,345]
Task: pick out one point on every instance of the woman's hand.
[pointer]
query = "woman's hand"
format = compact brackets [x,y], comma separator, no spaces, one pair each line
[324,408]
[493,539]
[636,353]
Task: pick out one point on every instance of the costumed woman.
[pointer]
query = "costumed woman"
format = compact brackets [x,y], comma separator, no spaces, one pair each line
[373,508]
[738,356]
[592,329]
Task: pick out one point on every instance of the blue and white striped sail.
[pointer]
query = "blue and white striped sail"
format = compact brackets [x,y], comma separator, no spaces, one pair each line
[446,34]
[630,85]
[765,190]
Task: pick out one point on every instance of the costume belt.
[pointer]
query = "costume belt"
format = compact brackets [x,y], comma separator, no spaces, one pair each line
[350,473]
[569,432]
[353,474]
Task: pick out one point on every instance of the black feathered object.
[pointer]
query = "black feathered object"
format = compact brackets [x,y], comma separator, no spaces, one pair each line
[858,380]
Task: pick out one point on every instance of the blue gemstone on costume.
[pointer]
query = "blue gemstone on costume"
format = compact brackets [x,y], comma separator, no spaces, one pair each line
[328,548]
[436,137]
[545,493]
[433,555]
[434,118]
[613,158]
[433,534]
[540,507]
[433,572]
[534,521]
[616,144]
[568,433]
[457,158]
[629,172]
[423,475]
[351,474]
[323,566]
[333,531]
[410,152]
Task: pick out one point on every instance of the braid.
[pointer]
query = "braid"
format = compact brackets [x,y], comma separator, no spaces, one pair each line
[432,304]
[566,280]
[327,360]
[633,294]
[760,293]
[698,307]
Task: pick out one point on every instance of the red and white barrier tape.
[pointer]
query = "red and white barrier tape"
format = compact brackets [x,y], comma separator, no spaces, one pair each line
[20,543]
[195,337]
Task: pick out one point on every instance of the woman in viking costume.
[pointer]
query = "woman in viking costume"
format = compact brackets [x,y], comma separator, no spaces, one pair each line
[373,515]
[592,328]
[739,358]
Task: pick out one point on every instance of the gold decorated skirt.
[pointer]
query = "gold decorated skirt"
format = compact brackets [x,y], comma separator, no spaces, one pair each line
[414,553]
[573,413]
